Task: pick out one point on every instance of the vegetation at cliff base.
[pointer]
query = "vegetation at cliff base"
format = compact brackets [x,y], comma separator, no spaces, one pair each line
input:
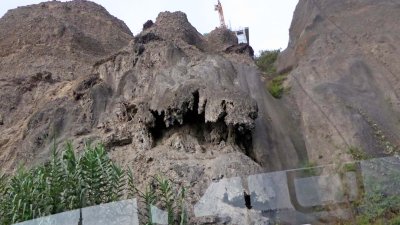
[357,153]
[69,182]
[376,208]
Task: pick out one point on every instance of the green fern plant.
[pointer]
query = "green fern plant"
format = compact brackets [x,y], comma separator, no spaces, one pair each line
[68,181]
[183,215]
[160,192]
[166,196]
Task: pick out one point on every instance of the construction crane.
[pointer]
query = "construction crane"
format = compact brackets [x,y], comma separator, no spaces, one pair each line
[218,8]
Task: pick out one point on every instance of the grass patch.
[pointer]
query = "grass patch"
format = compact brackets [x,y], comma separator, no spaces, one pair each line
[309,168]
[275,86]
[357,153]
[350,167]
[378,206]
[274,82]
[395,220]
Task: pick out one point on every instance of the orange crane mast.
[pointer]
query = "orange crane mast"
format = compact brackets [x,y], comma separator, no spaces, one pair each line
[218,8]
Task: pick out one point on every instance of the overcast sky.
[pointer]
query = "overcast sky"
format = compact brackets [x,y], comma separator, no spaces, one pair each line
[268,20]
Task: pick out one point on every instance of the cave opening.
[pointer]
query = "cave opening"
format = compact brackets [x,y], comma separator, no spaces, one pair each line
[159,126]
[194,120]
[244,139]
[195,125]
[192,115]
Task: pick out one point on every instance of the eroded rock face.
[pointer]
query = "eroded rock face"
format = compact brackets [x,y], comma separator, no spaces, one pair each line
[46,56]
[175,27]
[344,76]
[220,39]
[159,101]
[181,89]
[166,101]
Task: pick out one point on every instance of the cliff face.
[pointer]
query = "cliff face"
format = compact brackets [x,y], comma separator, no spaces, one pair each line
[344,69]
[67,69]
[159,101]
[172,101]
[70,36]
[45,50]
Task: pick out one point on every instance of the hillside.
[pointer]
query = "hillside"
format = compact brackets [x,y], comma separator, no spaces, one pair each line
[191,107]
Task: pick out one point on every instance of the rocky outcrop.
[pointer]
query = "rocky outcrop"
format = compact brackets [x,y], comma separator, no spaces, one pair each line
[167,88]
[192,107]
[172,101]
[47,51]
[343,66]
[181,107]
[159,101]
[220,39]
[70,36]
[175,27]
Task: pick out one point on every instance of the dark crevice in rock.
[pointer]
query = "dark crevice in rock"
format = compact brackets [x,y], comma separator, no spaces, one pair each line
[117,142]
[159,126]
[146,38]
[26,85]
[247,200]
[130,110]
[196,121]
[139,49]
[43,76]
[224,113]
[243,138]
[192,116]
[85,85]
[237,133]
[240,49]
[194,124]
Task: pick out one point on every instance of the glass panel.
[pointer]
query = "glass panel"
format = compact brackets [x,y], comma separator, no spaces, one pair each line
[309,195]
